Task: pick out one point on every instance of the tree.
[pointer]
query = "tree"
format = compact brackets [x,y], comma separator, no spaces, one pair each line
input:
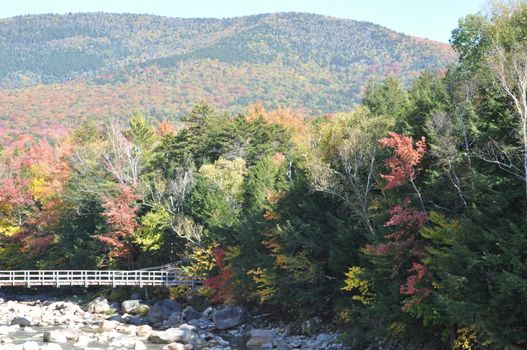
[344,162]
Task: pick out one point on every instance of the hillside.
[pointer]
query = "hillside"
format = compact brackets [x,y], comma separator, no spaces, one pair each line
[66,67]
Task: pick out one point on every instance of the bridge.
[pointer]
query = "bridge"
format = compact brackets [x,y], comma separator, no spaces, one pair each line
[167,276]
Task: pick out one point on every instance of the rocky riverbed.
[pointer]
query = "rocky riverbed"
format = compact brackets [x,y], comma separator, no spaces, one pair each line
[32,323]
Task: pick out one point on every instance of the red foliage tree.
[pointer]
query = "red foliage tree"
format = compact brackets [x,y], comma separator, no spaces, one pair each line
[120,212]
[219,284]
[405,245]
[404,162]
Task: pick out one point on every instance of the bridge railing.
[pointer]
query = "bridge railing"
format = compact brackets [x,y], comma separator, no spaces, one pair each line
[95,278]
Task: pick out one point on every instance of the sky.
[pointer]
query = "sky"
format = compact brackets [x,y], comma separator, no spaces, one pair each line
[433,19]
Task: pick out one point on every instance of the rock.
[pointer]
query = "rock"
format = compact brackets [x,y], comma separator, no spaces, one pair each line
[311,326]
[117,318]
[142,331]
[162,310]
[72,334]
[98,306]
[208,312]
[139,346]
[30,345]
[20,321]
[190,314]
[174,320]
[82,341]
[229,317]
[55,336]
[323,338]
[51,346]
[174,346]
[129,306]
[185,334]
[107,325]
[260,337]
[135,320]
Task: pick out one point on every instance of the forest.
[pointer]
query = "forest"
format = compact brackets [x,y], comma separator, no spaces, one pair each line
[402,221]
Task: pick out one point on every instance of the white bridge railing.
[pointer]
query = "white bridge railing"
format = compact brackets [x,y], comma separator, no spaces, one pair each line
[57,278]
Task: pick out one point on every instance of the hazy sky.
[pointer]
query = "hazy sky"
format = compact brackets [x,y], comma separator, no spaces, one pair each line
[432,19]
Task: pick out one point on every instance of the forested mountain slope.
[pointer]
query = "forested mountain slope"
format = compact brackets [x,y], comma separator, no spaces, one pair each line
[100,64]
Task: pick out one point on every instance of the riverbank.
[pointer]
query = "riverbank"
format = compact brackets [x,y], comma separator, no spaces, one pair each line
[49,323]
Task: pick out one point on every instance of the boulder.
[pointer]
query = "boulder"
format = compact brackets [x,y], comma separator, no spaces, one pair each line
[229,317]
[55,336]
[191,314]
[260,337]
[98,306]
[30,345]
[107,325]
[129,306]
[185,334]
[174,320]
[20,321]
[72,334]
[174,346]
[162,310]
[143,331]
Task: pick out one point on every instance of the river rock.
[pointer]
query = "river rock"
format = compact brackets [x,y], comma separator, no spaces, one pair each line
[55,336]
[229,317]
[185,334]
[139,345]
[175,346]
[129,306]
[260,337]
[143,331]
[72,334]
[30,345]
[162,310]
[108,325]
[98,306]
[20,321]
[191,314]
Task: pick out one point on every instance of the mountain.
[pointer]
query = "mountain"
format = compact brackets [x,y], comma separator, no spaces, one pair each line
[57,69]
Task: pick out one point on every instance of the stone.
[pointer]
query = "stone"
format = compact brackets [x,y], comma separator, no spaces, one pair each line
[20,321]
[229,317]
[108,325]
[98,306]
[174,346]
[324,338]
[174,320]
[72,334]
[129,306]
[143,331]
[30,345]
[55,336]
[190,314]
[185,334]
[260,337]
[139,346]
[162,310]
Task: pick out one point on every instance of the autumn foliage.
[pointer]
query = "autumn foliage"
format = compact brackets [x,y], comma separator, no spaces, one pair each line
[220,283]
[405,159]
[120,212]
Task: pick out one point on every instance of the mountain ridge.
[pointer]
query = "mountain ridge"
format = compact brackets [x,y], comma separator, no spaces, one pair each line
[310,62]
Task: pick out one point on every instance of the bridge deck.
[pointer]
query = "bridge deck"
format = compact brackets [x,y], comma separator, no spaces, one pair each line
[58,278]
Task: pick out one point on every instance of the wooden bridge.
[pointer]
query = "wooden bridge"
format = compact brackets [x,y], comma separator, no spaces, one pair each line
[148,277]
